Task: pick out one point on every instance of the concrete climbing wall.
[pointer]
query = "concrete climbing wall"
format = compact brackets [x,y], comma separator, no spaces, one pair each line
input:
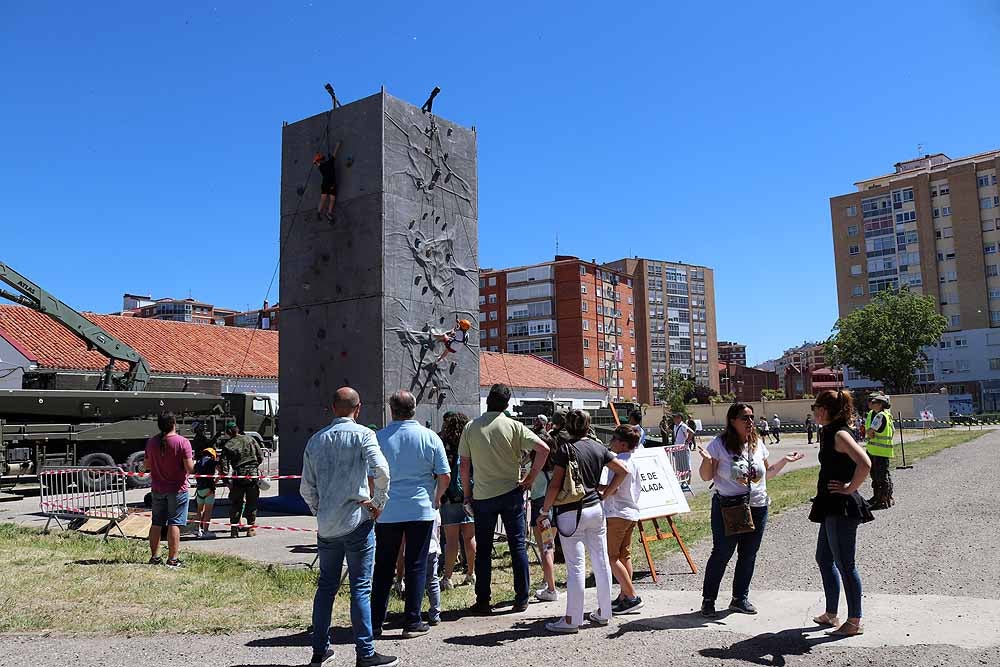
[363,297]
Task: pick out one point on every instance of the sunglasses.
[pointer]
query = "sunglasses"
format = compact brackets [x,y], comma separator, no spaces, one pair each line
[747,418]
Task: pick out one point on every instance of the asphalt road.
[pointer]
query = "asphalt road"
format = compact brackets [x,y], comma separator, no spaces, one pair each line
[941,538]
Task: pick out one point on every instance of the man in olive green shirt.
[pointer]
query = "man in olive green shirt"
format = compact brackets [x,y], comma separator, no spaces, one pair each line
[243,456]
[493,445]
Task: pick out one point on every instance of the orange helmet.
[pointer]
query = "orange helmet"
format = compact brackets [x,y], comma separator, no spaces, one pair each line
[464,325]
[317,158]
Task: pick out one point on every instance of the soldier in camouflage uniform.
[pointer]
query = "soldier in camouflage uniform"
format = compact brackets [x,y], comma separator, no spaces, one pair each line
[242,455]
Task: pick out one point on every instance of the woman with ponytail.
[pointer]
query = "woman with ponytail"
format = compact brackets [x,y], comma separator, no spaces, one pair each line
[736,462]
[839,509]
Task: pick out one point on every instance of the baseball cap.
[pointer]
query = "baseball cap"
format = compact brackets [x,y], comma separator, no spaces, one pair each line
[230,423]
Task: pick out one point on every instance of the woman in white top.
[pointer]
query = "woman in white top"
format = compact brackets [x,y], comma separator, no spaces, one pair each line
[736,462]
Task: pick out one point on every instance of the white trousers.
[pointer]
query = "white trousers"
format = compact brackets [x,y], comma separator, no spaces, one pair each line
[592,534]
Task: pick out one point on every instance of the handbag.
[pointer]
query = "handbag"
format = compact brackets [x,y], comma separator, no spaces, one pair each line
[573,489]
[737,518]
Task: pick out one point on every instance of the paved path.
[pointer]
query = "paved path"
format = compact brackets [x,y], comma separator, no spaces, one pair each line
[930,570]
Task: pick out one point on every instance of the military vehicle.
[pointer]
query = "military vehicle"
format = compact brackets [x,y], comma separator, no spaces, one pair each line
[44,429]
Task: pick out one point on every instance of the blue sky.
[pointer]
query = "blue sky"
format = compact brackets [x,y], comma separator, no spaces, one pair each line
[141,142]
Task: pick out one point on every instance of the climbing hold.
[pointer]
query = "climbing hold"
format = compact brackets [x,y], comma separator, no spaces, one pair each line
[300,190]
[449,131]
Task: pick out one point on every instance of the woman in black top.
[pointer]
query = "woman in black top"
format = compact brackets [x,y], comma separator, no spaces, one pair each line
[581,524]
[839,508]
[454,521]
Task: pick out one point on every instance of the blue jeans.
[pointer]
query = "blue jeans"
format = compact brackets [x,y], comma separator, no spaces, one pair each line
[835,551]
[723,547]
[389,539]
[509,508]
[170,509]
[433,588]
[358,547]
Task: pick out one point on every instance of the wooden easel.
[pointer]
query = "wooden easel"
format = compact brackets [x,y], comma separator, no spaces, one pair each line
[660,535]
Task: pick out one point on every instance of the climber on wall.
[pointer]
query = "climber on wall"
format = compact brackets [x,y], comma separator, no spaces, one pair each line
[328,187]
[457,336]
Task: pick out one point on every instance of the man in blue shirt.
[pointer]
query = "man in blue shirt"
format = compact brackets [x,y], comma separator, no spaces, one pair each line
[337,466]
[416,456]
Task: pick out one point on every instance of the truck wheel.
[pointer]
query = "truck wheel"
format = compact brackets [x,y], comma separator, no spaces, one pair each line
[97,459]
[135,463]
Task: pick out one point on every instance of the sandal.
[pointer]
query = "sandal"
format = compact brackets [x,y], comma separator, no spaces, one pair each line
[828,619]
[848,629]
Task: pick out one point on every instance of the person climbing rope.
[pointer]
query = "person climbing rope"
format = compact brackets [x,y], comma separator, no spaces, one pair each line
[328,187]
[457,336]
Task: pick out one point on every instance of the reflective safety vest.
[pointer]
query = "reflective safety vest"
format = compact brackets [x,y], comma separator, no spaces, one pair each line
[879,443]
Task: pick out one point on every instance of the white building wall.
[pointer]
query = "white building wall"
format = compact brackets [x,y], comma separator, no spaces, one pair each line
[580,399]
[12,366]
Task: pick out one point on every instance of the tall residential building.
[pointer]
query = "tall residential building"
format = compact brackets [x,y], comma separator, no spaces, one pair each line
[732,353]
[676,324]
[934,225]
[623,324]
[576,314]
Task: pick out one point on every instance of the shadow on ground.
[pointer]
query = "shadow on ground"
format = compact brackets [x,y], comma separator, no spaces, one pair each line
[770,648]
[514,633]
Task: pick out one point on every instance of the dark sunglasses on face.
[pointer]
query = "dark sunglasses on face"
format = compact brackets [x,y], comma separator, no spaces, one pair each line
[747,418]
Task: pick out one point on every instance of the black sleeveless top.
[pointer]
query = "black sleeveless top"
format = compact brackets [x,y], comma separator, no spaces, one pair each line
[836,466]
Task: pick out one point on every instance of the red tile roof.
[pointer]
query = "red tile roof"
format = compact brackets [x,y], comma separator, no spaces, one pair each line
[526,371]
[169,347]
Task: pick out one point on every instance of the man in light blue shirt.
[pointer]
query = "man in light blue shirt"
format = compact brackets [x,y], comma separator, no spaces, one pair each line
[337,465]
[420,474]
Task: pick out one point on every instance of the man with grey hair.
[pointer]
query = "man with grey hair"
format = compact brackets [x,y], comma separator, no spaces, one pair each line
[338,465]
[420,475]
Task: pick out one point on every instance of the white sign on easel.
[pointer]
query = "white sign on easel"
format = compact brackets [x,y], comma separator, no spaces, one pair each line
[926,416]
[661,493]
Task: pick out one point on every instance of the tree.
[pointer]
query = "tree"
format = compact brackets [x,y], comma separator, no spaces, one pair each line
[672,390]
[701,393]
[884,341]
[772,394]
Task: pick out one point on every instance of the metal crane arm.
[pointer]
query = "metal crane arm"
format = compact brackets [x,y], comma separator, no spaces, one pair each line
[31,295]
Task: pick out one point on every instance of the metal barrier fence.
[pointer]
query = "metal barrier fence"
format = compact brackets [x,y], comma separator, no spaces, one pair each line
[681,458]
[78,492]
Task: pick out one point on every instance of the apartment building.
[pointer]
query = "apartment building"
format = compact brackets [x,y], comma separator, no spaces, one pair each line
[732,353]
[676,323]
[933,224]
[623,324]
[577,314]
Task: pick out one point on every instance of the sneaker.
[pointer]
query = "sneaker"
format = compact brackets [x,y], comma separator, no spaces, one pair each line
[546,595]
[470,580]
[156,560]
[416,630]
[519,607]
[208,535]
[376,660]
[446,584]
[174,563]
[628,605]
[596,618]
[480,609]
[251,532]
[319,658]
[561,627]
[742,606]
[708,609]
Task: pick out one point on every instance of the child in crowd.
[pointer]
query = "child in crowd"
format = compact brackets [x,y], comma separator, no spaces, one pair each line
[622,512]
[433,580]
[208,464]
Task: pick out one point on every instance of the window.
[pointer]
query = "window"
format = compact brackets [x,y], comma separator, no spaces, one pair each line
[583,270]
[854,250]
[995,293]
[991,270]
[990,249]
[962,365]
[995,364]
[586,343]
[586,325]
[857,290]
[986,202]
[529,292]
[632,349]
[937,213]
[944,189]
[583,307]
[956,321]
[482,316]
[633,384]
[852,230]
[493,316]
[586,362]
[943,233]
[946,210]
[482,299]
[989,225]
[630,301]
[944,344]
[482,334]
[983,181]
[851,211]
[493,333]
[906,216]
[482,283]
[994,319]
[855,269]
[493,281]
[583,288]
[492,298]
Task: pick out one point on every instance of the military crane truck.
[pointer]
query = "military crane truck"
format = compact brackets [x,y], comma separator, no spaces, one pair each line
[108,426]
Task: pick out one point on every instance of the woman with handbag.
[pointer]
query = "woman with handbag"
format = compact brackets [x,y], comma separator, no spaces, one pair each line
[576,472]
[737,463]
[839,509]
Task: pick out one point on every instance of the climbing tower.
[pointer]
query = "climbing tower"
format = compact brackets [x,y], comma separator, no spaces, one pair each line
[365,297]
